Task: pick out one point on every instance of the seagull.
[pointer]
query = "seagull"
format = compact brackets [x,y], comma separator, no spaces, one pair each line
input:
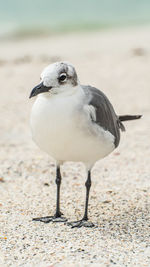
[73,122]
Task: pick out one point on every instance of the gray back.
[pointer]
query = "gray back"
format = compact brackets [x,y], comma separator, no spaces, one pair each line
[105,114]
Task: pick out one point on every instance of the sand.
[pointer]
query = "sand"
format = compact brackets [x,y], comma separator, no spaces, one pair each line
[117,62]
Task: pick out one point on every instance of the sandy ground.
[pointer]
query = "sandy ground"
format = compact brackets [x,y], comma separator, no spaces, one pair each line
[118,62]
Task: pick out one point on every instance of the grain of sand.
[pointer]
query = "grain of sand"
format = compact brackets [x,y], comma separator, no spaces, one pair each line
[118,62]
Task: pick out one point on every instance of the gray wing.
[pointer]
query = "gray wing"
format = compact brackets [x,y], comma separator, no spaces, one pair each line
[105,114]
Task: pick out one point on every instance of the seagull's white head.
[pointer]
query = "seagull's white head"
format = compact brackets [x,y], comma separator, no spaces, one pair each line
[56,78]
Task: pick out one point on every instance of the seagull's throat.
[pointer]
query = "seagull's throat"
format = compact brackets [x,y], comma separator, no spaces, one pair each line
[63,91]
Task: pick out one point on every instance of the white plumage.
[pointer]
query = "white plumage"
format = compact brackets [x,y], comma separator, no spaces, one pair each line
[61,125]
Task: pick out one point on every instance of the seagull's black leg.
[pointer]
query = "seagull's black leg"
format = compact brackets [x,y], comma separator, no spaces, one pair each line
[84,221]
[57,216]
[88,186]
[58,183]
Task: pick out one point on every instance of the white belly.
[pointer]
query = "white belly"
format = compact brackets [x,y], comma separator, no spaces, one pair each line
[62,131]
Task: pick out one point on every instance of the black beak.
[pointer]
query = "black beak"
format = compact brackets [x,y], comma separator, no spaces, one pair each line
[40,88]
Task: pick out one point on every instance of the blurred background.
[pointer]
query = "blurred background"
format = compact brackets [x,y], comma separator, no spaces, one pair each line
[24,18]
[108,42]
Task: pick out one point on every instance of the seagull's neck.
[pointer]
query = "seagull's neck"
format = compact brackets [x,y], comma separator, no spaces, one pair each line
[65,91]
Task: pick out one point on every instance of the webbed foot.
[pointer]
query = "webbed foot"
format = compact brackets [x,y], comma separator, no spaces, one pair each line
[80,223]
[48,219]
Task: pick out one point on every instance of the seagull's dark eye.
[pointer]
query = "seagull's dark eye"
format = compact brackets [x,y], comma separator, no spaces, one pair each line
[62,77]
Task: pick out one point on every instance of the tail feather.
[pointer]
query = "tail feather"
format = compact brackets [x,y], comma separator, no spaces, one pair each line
[129,117]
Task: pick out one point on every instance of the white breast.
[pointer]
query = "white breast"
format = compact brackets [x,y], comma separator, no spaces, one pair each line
[60,127]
